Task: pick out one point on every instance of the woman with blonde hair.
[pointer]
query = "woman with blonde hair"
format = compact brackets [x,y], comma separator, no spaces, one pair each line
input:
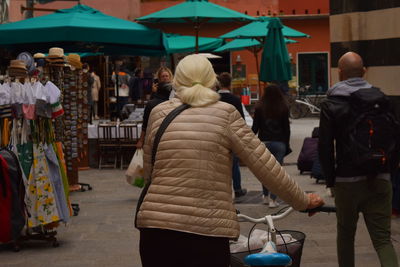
[163,75]
[187,215]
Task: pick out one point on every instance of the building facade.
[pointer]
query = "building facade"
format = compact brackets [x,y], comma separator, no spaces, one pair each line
[372,29]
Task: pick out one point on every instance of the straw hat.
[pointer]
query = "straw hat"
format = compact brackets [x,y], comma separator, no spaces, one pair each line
[39,55]
[17,68]
[74,60]
[56,52]
[17,64]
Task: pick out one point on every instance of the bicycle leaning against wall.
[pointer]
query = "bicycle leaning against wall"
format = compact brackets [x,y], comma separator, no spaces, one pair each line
[305,103]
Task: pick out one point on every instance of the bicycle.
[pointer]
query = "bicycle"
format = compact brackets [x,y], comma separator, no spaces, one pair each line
[286,254]
[305,104]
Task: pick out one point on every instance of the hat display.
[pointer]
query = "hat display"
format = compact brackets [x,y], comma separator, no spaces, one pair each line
[17,68]
[74,60]
[28,59]
[55,52]
[56,57]
[17,64]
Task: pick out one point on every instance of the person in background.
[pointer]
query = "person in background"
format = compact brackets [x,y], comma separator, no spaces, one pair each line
[356,189]
[162,94]
[271,122]
[162,82]
[123,85]
[163,74]
[136,85]
[224,91]
[96,85]
[187,216]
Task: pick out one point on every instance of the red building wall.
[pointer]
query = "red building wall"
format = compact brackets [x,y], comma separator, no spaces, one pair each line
[303,6]
[124,9]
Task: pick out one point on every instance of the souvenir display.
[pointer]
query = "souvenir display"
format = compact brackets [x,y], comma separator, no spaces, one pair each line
[83,119]
[43,122]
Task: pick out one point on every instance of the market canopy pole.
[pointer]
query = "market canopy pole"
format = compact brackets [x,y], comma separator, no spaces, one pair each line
[197,13]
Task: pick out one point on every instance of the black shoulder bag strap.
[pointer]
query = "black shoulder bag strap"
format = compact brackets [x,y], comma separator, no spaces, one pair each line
[168,119]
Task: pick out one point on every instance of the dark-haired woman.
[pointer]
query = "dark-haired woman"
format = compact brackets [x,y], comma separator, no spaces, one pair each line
[271,122]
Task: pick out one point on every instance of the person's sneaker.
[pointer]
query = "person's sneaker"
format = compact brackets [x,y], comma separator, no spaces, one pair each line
[240,192]
[265,200]
[273,203]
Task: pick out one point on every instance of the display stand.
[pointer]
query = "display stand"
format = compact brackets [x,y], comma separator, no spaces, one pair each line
[43,235]
[83,121]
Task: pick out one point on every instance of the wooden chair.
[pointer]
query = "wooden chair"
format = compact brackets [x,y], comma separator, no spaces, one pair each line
[128,137]
[107,143]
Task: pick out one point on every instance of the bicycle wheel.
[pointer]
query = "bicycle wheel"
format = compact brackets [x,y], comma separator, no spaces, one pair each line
[296,111]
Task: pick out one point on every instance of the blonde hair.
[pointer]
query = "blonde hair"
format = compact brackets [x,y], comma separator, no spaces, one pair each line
[194,78]
[164,69]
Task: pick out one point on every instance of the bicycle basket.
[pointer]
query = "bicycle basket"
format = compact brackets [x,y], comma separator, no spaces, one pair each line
[294,250]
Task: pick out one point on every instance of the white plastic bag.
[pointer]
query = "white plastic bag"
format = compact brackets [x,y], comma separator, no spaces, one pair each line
[134,173]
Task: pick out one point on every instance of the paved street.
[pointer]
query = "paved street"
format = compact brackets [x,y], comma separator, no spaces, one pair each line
[103,233]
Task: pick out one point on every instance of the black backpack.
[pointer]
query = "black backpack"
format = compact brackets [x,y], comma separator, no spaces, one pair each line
[373,131]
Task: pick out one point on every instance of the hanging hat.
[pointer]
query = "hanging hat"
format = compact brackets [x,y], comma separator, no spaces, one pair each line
[56,57]
[17,64]
[17,68]
[39,56]
[74,60]
[55,52]
[28,59]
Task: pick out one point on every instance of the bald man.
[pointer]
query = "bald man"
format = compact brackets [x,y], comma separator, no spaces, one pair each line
[355,188]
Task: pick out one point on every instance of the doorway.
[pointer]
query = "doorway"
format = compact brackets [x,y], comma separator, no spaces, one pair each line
[312,70]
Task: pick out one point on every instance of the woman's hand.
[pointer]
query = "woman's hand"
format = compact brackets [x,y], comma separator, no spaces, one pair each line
[314,201]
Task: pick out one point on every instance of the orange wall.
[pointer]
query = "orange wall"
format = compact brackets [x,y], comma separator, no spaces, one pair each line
[319,31]
[124,9]
[287,6]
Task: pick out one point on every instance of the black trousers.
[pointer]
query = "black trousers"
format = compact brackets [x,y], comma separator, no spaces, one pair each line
[166,248]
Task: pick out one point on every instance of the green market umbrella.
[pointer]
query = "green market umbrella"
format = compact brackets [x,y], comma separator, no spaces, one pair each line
[183,43]
[259,29]
[248,43]
[275,62]
[82,29]
[196,12]
[251,44]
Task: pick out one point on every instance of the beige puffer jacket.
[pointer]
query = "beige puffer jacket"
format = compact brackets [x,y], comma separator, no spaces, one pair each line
[191,189]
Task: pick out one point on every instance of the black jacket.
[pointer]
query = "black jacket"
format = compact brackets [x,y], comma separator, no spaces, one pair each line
[157,99]
[334,142]
[233,100]
[272,129]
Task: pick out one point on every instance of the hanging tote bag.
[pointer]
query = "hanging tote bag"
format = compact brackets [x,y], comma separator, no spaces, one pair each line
[168,119]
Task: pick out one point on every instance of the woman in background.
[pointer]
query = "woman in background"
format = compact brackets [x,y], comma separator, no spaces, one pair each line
[162,89]
[271,122]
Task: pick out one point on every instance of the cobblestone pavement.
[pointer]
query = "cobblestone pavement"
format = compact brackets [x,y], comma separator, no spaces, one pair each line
[103,233]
